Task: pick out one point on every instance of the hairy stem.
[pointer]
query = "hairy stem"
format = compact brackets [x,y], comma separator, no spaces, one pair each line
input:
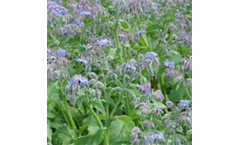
[184,84]
[106,142]
[64,115]
[68,112]
[116,105]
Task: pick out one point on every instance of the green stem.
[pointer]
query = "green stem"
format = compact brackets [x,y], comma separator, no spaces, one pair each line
[184,84]
[117,41]
[68,112]
[128,104]
[116,105]
[64,115]
[106,142]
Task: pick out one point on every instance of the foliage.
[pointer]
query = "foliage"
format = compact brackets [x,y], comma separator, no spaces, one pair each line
[119,72]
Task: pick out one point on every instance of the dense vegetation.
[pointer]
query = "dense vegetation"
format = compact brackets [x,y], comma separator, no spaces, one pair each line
[119,72]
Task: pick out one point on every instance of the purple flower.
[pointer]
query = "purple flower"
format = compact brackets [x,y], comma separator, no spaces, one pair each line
[82,60]
[102,42]
[184,103]
[122,36]
[51,5]
[147,91]
[61,52]
[154,137]
[73,80]
[104,24]
[85,13]
[168,63]
[158,5]
[79,79]
[65,33]
[82,46]
[140,32]
[151,55]
[77,22]
[49,51]
[129,67]
[143,88]
[62,12]
[182,33]
[83,81]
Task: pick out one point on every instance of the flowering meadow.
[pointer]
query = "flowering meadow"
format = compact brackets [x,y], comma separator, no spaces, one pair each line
[119,72]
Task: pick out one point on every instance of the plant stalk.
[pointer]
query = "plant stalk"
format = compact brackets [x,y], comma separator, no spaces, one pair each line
[68,112]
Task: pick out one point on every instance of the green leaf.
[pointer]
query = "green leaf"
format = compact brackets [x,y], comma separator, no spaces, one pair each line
[120,129]
[159,104]
[49,113]
[49,132]
[52,91]
[122,143]
[98,105]
[64,136]
[92,129]
[152,28]
[176,58]
[93,139]
[112,52]
[124,24]
[89,121]
[177,94]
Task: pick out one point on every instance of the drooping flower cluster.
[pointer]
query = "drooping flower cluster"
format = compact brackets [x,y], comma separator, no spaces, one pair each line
[158,94]
[146,138]
[61,52]
[103,42]
[187,64]
[154,135]
[55,60]
[79,80]
[144,88]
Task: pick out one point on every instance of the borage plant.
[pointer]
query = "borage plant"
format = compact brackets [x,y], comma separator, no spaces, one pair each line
[119,72]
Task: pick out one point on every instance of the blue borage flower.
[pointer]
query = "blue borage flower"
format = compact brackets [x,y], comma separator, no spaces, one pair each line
[82,60]
[79,79]
[104,24]
[86,13]
[140,32]
[62,12]
[51,5]
[77,22]
[49,51]
[184,103]
[66,32]
[151,55]
[63,121]
[82,46]
[129,67]
[168,63]
[158,5]
[102,42]
[182,33]
[154,137]
[143,88]
[122,36]
[61,52]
